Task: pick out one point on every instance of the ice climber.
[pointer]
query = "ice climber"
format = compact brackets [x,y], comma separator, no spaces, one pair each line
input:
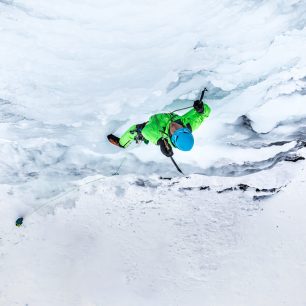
[168,130]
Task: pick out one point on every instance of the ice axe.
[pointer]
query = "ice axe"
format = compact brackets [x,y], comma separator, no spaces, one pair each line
[176,166]
[172,159]
[201,98]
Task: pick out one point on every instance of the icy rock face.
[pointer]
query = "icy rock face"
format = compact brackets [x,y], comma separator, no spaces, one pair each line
[69,76]
[74,71]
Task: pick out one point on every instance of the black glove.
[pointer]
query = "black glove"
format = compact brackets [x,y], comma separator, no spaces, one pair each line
[199,106]
[165,147]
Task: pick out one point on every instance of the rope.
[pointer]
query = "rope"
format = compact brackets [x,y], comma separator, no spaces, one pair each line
[122,162]
[63,194]
[19,221]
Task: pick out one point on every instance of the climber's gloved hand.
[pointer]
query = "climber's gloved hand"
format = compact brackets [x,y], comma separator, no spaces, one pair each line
[199,106]
[165,147]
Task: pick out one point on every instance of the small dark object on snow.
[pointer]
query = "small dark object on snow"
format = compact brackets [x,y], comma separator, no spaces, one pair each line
[19,221]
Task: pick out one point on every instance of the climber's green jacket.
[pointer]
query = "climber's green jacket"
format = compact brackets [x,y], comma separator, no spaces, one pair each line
[158,126]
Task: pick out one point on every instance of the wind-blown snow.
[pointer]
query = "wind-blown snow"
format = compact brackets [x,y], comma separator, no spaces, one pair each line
[73,72]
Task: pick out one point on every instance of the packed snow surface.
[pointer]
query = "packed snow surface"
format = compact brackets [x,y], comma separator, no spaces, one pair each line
[106,226]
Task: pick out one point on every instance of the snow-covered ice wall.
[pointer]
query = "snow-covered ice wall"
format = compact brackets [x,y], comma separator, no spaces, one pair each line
[72,72]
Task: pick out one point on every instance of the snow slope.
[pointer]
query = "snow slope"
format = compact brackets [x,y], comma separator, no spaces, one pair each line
[151,241]
[229,233]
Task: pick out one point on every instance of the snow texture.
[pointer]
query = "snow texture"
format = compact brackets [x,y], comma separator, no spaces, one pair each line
[105,226]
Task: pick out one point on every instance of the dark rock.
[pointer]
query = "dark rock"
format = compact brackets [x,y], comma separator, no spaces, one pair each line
[272,190]
[262,197]
[186,188]
[204,188]
[294,158]
[227,189]
[245,122]
[277,143]
[243,187]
